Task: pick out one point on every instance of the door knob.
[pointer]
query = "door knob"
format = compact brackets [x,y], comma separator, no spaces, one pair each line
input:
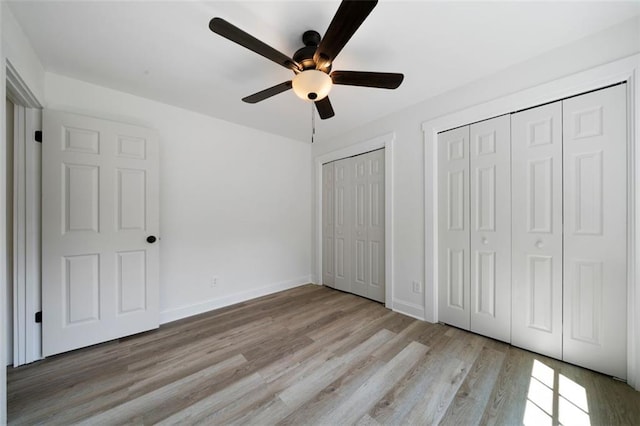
[485,241]
[539,244]
[151,239]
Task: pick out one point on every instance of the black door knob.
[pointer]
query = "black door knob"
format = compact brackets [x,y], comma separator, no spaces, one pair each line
[151,239]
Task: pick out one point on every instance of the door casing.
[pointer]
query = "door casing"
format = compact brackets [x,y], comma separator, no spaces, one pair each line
[27,333]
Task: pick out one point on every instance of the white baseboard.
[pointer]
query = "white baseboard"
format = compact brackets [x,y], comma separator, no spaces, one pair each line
[410,309]
[209,305]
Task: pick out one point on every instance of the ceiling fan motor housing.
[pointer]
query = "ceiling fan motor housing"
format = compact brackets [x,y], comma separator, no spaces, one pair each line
[304,55]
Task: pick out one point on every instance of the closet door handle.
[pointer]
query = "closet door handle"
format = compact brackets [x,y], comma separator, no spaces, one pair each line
[485,241]
[539,244]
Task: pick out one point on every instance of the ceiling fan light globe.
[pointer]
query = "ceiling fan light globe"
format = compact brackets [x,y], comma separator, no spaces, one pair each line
[312,85]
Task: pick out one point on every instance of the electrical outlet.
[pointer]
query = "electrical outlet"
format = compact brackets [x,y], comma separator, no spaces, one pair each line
[417,287]
[214,281]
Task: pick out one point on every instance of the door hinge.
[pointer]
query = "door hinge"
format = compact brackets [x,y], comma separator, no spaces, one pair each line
[39,317]
[38,136]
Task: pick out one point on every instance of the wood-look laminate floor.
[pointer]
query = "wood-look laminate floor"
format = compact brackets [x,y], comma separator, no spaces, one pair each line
[312,355]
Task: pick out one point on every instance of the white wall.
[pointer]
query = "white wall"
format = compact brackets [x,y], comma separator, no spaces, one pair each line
[408,206]
[234,202]
[18,50]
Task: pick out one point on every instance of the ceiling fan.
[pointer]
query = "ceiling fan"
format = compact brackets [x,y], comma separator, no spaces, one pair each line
[312,63]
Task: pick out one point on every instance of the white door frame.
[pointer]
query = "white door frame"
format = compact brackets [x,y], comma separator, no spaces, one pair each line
[385,141]
[626,69]
[27,334]
[15,89]
[26,221]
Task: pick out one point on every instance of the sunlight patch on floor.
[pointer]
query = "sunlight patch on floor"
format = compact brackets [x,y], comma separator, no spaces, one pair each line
[553,398]
[573,407]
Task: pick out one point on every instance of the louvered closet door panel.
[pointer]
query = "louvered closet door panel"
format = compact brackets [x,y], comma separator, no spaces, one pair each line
[536,179]
[453,227]
[595,230]
[490,220]
[327,225]
[342,219]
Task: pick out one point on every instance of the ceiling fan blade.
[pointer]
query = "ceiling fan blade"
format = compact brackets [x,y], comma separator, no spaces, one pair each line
[236,35]
[267,93]
[382,80]
[348,18]
[324,108]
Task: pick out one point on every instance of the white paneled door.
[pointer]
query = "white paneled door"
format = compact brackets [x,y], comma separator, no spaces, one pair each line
[453,227]
[536,177]
[595,230]
[367,230]
[375,226]
[328,225]
[100,216]
[490,243]
[342,220]
[533,229]
[474,260]
[353,223]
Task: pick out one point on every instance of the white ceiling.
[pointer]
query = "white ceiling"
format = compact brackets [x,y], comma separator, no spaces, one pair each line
[165,50]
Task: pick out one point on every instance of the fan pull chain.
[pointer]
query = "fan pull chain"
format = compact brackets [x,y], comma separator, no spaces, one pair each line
[313,121]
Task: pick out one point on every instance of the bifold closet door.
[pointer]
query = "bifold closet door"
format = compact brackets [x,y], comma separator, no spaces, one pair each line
[595,230]
[453,228]
[327,225]
[342,220]
[474,230]
[367,230]
[353,218]
[490,220]
[532,229]
[536,179]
